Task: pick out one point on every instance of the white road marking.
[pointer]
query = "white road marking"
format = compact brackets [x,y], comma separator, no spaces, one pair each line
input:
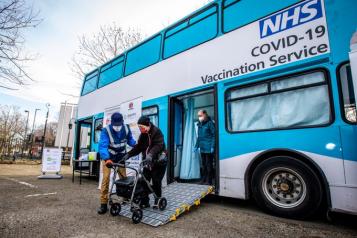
[39,194]
[23,183]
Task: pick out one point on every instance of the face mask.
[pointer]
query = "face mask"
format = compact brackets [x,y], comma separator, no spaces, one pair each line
[117,128]
[144,129]
[201,118]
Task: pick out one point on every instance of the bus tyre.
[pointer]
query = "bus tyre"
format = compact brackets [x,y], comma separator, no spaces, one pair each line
[286,187]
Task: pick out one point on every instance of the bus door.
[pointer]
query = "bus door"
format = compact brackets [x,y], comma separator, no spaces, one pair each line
[176,137]
[83,140]
[185,164]
[97,128]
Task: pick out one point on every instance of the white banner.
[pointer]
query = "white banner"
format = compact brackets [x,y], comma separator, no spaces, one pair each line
[51,160]
[131,111]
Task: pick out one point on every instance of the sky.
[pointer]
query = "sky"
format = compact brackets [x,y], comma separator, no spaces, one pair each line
[56,39]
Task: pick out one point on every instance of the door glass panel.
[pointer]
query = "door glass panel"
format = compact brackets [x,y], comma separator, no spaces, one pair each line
[348,97]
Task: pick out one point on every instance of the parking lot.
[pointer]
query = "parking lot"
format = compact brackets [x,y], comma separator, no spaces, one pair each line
[59,208]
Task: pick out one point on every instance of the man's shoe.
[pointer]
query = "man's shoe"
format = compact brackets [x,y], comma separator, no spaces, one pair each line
[102,209]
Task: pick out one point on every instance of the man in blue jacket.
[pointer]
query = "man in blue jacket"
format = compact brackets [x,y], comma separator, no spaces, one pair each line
[112,148]
[206,142]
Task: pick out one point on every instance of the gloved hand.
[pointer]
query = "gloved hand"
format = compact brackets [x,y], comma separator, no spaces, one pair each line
[212,150]
[109,163]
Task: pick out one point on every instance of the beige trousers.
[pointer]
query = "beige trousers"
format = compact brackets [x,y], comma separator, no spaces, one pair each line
[105,182]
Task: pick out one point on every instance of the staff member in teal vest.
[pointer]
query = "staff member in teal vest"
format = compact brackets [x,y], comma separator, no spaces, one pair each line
[112,149]
[206,141]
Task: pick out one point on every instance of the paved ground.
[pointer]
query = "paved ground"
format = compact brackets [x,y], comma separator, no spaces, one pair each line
[69,210]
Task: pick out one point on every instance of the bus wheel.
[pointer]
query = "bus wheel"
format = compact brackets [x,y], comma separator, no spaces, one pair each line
[286,187]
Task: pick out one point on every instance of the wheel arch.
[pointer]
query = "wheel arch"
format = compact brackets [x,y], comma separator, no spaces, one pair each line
[286,152]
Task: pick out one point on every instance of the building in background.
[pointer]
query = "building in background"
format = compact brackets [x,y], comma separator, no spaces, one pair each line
[66,128]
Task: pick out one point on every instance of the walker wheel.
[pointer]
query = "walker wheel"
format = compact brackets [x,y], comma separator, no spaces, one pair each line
[162,203]
[115,209]
[137,216]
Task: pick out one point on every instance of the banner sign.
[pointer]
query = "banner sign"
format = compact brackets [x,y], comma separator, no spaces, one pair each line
[131,111]
[51,160]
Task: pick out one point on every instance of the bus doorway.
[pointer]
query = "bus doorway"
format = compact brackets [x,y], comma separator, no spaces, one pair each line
[84,135]
[185,164]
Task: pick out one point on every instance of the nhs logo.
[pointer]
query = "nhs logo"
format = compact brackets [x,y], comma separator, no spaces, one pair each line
[291,17]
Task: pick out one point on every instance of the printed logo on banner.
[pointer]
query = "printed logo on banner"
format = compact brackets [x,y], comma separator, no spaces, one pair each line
[292,17]
[131,106]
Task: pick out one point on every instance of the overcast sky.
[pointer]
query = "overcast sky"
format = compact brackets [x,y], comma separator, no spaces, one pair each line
[56,39]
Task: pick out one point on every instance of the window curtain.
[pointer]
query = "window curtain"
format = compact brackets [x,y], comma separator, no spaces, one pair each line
[190,162]
[303,107]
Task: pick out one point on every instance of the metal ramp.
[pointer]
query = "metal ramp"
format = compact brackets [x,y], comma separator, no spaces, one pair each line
[180,198]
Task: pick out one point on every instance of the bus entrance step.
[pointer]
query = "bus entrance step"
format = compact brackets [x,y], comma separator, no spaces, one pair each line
[180,198]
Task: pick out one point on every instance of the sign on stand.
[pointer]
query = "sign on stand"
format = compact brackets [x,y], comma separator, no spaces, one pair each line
[51,163]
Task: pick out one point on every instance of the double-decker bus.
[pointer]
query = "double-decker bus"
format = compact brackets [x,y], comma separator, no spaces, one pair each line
[276,78]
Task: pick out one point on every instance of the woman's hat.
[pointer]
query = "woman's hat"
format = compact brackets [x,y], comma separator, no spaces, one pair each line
[144,120]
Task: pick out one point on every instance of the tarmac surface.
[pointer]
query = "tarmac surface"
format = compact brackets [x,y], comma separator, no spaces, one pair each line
[30,207]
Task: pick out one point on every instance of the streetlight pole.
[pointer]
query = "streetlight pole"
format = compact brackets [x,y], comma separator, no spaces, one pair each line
[44,131]
[33,128]
[24,142]
[70,126]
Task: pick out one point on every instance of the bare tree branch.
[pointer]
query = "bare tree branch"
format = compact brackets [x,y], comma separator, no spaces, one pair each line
[95,50]
[15,17]
[12,128]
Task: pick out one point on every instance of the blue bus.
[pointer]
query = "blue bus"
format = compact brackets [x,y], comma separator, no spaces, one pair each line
[277,79]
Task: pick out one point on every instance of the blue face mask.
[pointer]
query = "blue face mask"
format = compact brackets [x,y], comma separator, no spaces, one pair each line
[117,128]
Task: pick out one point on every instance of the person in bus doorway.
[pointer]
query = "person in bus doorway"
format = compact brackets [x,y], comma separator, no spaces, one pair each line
[205,144]
[152,147]
[112,149]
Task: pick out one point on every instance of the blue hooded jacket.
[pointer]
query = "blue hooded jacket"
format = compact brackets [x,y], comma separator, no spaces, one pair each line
[104,140]
[206,139]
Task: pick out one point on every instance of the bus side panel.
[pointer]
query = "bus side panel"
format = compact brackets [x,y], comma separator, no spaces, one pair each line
[237,151]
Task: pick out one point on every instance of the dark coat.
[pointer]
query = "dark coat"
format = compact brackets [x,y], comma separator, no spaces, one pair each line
[151,143]
[206,139]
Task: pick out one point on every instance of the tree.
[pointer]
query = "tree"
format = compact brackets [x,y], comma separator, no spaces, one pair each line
[15,18]
[95,50]
[51,132]
[12,128]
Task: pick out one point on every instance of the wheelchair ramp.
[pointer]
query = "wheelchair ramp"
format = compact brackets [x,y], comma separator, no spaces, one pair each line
[180,198]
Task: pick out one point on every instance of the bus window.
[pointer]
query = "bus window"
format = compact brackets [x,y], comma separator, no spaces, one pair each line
[111,72]
[291,102]
[98,125]
[348,98]
[235,13]
[152,113]
[144,55]
[90,83]
[193,31]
